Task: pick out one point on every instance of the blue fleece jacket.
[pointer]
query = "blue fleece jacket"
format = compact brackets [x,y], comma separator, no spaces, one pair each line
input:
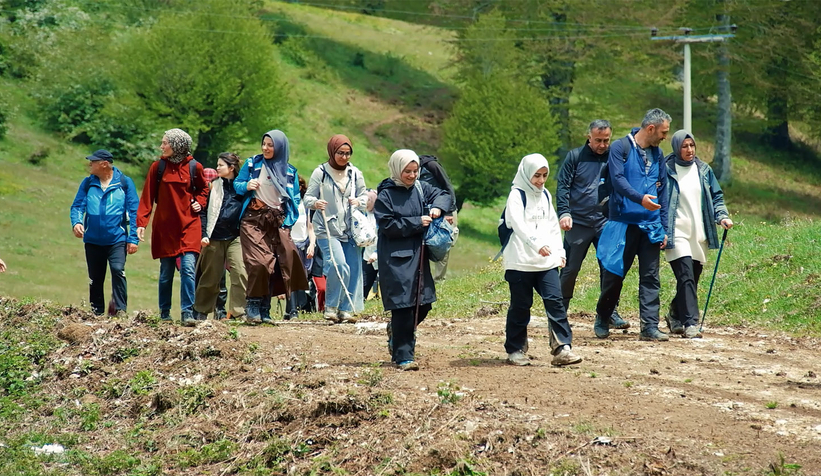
[251,170]
[109,216]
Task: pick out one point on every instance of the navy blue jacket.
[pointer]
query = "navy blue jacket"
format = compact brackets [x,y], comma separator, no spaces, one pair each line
[632,179]
[577,193]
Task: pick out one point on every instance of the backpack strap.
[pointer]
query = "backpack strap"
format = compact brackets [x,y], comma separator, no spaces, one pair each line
[192,174]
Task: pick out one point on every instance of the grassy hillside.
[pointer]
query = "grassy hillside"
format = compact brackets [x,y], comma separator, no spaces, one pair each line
[386,84]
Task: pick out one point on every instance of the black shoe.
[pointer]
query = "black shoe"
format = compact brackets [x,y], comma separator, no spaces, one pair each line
[616,322]
[653,334]
[290,315]
[200,316]
[165,316]
[187,319]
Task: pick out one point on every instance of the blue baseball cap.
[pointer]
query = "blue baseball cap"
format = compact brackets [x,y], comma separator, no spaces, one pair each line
[101,154]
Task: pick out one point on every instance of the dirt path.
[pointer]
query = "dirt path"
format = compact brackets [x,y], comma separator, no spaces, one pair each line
[681,407]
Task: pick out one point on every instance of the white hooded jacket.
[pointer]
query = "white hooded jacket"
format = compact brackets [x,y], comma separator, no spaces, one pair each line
[535,225]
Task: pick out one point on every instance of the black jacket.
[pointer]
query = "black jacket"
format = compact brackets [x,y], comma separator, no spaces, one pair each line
[227,227]
[433,173]
[577,194]
[399,213]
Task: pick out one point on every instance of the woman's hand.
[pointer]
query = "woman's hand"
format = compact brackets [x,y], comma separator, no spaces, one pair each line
[564,263]
[320,204]
[253,184]
[435,212]
[141,233]
[426,219]
[205,242]
[196,206]
[727,223]
[353,201]
[544,250]
[309,253]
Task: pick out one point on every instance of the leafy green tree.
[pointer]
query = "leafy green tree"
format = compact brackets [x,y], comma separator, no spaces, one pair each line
[210,68]
[498,119]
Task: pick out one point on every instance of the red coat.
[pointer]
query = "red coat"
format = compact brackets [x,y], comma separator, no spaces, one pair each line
[176,227]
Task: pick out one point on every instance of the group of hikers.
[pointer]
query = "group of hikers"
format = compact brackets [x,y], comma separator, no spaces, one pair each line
[265,225]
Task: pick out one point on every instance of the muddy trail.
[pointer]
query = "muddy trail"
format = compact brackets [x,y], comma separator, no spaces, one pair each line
[308,398]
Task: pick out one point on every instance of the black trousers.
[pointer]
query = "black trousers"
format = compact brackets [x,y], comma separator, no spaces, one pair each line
[97,259]
[368,277]
[637,243]
[522,284]
[404,332]
[685,304]
[577,243]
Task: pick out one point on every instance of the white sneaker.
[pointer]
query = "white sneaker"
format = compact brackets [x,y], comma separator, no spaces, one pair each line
[345,316]
[331,314]
[565,357]
[518,358]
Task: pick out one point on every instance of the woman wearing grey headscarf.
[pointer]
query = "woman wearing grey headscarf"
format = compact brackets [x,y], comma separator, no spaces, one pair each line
[696,205]
[177,229]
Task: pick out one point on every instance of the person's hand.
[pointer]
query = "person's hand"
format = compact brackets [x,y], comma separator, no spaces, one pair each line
[141,233]
[544,250]
[449,219]
[426,219]
[648,203]
[2,266]
[664,243]
[566,223]
[372,258]
[205,242]
[353,201]
[309,253]
[320,204]
[435,213]
[727,223]
[131,248]
[79,230]
[196,206]
[564,263]
[253,184]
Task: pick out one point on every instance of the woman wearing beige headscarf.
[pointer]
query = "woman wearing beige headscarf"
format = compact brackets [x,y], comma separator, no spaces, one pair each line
[404,208]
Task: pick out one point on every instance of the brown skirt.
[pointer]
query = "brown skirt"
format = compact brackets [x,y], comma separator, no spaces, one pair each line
[271,259]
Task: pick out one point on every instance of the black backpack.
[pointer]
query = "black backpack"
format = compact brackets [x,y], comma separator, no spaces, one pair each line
[605,185]
[192,174]
[505,231]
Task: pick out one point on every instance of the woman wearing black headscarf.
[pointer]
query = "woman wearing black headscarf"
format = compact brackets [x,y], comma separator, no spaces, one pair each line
[696,205]
[271,191]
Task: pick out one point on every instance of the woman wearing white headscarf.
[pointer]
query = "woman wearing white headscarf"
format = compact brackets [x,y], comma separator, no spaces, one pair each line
[696,206]
[532,259]
[404,208]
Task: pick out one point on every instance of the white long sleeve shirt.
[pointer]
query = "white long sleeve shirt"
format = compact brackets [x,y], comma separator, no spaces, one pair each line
[534,226]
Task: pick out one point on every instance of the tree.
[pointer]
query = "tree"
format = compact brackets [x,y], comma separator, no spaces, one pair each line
[210,68]
[498,119]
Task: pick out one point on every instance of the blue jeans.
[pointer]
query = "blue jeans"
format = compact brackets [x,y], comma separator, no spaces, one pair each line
[348,258]
[188,263]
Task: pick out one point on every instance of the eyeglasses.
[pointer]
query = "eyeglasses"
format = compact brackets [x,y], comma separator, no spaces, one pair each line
[344,154]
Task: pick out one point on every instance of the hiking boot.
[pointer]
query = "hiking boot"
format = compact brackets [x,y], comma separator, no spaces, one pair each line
[347,317]
[389,329]
[518,358]
[565,357]
[407,365]
[616,322]
[222,315]
[265,312]
[601,328]
[252,312]
[290,315]
[653,334]
[199,316]
[691,332]
[165,316]
[673,325]
[330,314]
[187,319]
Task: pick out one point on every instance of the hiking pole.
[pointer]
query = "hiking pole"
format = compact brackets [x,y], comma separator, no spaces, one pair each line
[715,271]
[419,284]
[333,262]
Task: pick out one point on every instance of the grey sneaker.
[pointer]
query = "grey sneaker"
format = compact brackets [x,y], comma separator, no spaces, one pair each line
[653,334]
[565,357]
[691,332]
[674,326]
[601,328]
[345,316]
[518,358]
[187,319]
[616,322]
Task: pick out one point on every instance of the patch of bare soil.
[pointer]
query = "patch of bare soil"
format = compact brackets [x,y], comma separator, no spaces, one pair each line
[304,396]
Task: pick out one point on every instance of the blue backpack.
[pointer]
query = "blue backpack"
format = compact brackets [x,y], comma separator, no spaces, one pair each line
[439,235]
[504,230]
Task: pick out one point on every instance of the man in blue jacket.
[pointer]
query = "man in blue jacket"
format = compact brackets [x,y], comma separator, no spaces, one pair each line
[637,211]
[577,204]
[104,215]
